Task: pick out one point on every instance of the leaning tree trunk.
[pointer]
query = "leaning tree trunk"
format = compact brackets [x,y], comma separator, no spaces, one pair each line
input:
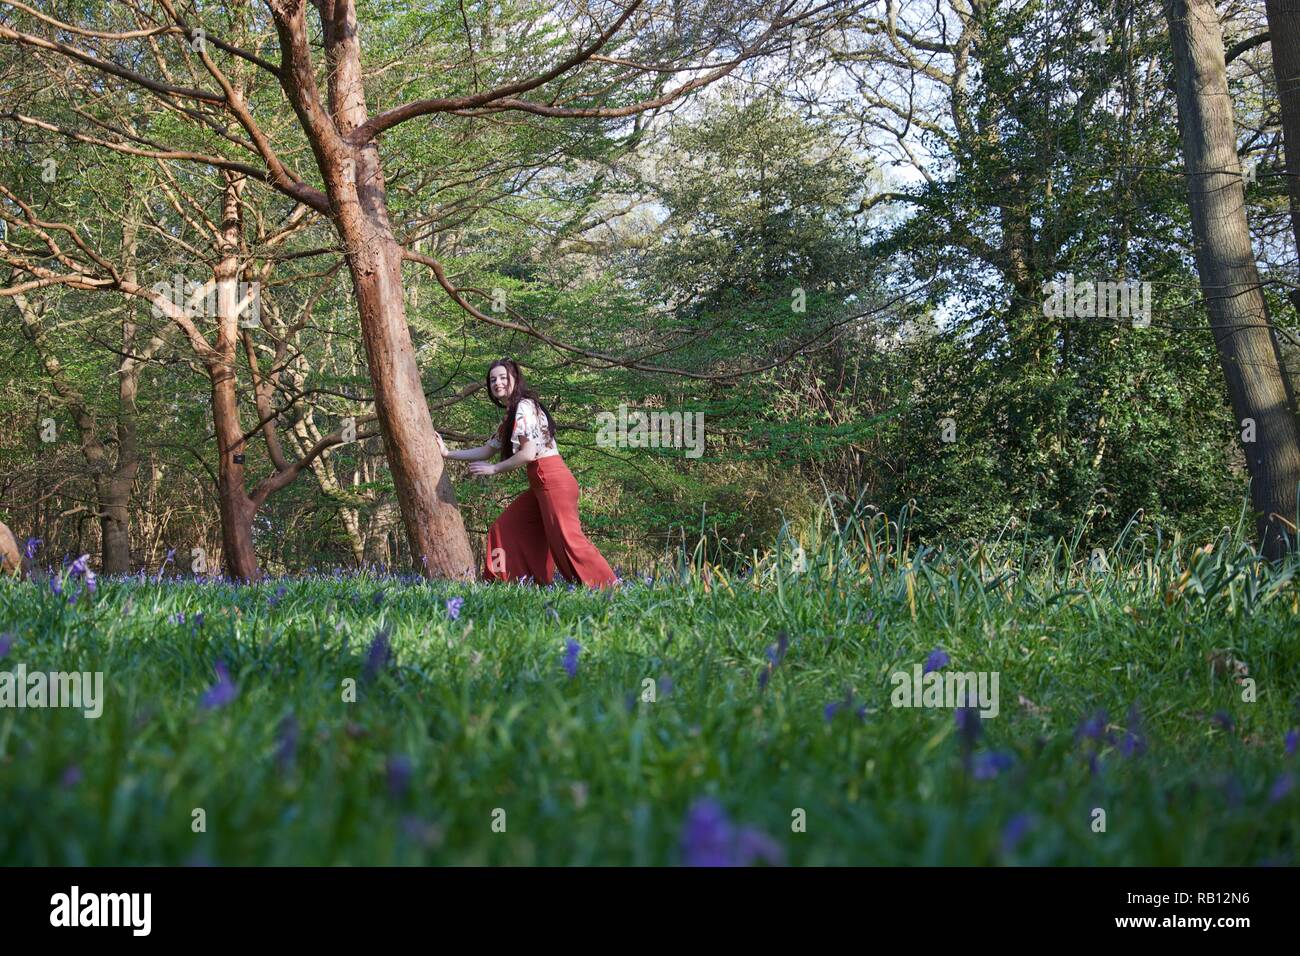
[354,180]
[1248,348]
[424,493]
[1284,38]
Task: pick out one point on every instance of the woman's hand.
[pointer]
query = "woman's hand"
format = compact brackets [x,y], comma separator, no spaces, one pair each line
[482,469]
[442,445]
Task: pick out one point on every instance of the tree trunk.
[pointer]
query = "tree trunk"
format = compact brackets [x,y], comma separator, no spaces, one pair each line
[235,506]
[354,181]
[1248,349]
[115,526]
[1284,38]
[424,493]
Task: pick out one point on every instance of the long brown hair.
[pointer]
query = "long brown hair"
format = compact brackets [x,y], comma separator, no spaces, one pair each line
[517,393]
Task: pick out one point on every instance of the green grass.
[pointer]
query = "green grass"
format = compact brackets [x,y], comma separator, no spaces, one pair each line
[487,718]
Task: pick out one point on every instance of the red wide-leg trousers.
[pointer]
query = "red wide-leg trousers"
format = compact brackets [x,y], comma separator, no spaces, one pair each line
[539,532]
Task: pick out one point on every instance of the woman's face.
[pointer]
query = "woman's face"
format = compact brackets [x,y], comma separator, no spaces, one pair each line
[500,381]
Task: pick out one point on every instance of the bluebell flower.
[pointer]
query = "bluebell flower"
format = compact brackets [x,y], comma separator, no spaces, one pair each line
[222,692]
[937,659]
[986,766]
[1092,727]
[379,654]
[968,725]
[56,585]
[6,642]
[399,775]
[1015,830]
[1291,739]
[286,744]
[707,835]
[753,846]
[274,600]
[710,839]
[571,651]
[775,655]
[1134,743]
[32,545]
[454,606]
[71,776]
[1281,787]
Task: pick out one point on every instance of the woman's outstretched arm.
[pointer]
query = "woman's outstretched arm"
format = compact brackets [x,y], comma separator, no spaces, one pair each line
[481,453]
[527,452]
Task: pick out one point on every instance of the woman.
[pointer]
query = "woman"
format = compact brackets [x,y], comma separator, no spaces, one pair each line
[539,531]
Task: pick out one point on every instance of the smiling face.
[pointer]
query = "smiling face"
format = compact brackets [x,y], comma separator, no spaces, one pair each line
[500,382]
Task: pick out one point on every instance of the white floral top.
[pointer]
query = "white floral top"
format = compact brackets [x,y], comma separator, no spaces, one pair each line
[530,423]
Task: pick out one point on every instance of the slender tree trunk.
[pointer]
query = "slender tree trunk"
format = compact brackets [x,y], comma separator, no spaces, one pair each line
[1284,38]
[235,505]
[1248,348]
[354,181]
[115,489]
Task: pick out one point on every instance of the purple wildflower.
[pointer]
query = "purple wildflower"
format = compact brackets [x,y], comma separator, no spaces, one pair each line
[1134,742]
[710,839]
[399,775]
[1281,787]
[6,642]
[286,746]
[32,545]
[379,654]
[56,586]
[179,617]
[71,776]
[707,835]
[220,693]
[1292,738]
[775,655]
[80,566]
[937,659]
[571,651]
[988,765]
[753,846]
[1092,727]
[454,606]
[1015,831]
[968,725]
[835,706]
[274,599]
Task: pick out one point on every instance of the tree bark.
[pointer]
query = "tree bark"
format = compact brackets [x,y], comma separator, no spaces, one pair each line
[1225,261]
[354,181]
[1284,38]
